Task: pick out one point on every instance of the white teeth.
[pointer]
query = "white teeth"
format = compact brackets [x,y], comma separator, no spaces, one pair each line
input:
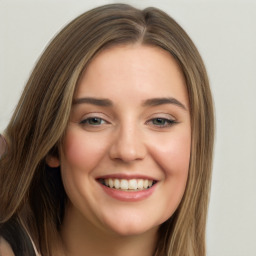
[140,184]
[116,183]
[133,184]
[145,184]
[111,183]
[124,184]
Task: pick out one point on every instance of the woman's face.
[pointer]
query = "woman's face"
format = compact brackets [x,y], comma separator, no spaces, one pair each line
[125,156]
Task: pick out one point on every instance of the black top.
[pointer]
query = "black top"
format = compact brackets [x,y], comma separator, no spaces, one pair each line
[13,232]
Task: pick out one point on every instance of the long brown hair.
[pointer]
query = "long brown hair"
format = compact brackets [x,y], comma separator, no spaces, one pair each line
[33,193]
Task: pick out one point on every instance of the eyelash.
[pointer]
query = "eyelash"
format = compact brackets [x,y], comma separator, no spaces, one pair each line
[87,120]
[165,122]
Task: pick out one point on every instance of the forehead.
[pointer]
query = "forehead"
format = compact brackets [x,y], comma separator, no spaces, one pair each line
[142,69]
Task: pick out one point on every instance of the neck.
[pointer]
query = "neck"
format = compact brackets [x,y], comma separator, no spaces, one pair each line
[82,237]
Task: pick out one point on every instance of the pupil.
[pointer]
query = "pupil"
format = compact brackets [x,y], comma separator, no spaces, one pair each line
[159,121]
[95,121]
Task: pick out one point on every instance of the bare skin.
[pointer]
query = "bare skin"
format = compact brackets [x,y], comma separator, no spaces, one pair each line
[130,123]
[5,248]
[98,243]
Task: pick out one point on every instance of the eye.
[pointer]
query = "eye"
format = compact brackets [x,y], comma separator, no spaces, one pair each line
[161,122]
[93,121]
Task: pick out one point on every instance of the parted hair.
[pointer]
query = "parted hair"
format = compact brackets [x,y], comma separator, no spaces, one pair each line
[32,194]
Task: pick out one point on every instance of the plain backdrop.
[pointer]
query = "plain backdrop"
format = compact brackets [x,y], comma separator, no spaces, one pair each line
[225,33]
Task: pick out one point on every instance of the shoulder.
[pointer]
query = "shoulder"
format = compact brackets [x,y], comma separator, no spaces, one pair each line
[14,239]
[5,248]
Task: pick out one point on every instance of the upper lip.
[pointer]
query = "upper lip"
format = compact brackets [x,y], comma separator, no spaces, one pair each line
[126,176]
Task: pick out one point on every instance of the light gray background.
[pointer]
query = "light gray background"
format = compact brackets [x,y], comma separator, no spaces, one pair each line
[225,33]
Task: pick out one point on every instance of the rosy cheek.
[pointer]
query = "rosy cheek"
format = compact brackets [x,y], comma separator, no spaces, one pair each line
[82,150]
[173,154]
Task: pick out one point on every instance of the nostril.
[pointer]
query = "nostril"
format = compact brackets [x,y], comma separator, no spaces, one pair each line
[127,152]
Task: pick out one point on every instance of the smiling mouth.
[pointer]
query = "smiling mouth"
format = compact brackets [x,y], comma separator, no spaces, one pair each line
[127,185]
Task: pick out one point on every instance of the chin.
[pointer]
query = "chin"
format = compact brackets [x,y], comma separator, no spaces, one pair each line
[132,227]
[133,232]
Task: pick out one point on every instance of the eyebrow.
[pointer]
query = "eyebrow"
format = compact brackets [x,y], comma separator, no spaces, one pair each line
[149,102]
[162,101]
[93,101]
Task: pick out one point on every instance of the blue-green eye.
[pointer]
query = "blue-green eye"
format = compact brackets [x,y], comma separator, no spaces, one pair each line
[162,122]
[94,121]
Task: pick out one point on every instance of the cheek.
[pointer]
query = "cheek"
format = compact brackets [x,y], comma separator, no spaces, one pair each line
[81,151]
[173,157]
[173,154]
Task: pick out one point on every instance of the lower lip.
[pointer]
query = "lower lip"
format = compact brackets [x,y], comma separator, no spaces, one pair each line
[126,196]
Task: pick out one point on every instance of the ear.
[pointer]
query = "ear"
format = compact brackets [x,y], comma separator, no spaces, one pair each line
[52,161]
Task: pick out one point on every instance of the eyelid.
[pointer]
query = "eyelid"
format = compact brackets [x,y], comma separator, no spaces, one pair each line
[98,115]
[95,114]
[83,122]
[162,115]
[168,119]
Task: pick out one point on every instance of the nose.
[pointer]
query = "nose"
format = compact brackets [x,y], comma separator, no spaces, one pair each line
[128,145]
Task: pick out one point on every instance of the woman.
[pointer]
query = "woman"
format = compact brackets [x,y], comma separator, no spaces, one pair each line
[110,147]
